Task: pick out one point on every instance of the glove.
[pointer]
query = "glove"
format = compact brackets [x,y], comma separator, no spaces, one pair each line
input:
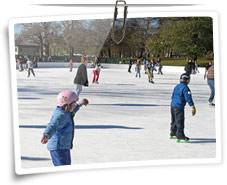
[84,102]
[44,139]
[193,110]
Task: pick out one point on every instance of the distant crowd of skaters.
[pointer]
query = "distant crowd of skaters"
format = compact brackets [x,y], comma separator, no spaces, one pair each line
[27,63]
[150,65]
[191,66]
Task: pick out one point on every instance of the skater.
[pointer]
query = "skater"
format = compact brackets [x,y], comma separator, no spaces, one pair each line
[138,68]
[81,78]
[195,64]
[209,74]
[17,63]
[145,63]
[70,65]
[49,59]
[193,67]
[59,132]
[130,63]
[206,68]
[188,67]
[35,62]
[150,74]
[196,67]
[30,67]
[153,64]
[20,63]
[159,64]
[96,72]
[181,94]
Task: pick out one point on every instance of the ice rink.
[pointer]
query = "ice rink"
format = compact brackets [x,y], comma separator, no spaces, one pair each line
[128,119]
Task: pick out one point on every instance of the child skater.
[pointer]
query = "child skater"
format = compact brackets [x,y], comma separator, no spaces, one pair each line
[138,68]
[96,73]
[59,132]
[181,95]
[30,67]
[70,65]
[150,72]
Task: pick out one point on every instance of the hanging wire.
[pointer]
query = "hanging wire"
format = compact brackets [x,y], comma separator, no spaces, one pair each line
[123,29]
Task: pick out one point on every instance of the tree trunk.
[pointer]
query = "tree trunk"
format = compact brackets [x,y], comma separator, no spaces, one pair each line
[41,50]
[109,52]
[41,45]
[121,53]
[71,51]
[141,52]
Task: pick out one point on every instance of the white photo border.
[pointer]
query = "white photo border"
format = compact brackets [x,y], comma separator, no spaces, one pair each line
[109,15]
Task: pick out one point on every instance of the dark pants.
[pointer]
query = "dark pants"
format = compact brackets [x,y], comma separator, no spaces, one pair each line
[212,93]
[160,70]
[31,70]
[177,123]
[129,68]
[60,157]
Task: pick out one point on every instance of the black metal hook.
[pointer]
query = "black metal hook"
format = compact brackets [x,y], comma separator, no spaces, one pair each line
[124,21]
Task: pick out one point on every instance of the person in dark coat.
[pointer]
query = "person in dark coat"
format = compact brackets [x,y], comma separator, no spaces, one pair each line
[81,78]
[130,63]
[159,64]
[188,67]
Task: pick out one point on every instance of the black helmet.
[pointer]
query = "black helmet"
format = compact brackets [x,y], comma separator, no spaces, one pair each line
[184,77]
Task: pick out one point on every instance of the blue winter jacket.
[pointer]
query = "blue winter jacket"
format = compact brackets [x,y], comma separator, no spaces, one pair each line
[60,129]
[181,95]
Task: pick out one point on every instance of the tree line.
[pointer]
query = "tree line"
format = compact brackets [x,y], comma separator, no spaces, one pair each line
[144,37]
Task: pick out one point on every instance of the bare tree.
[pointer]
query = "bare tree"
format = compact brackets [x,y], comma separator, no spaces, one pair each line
[38,33]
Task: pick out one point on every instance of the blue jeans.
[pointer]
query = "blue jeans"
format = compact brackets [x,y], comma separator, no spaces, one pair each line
[138,73]
[78,89]
[212,93]
[60,157]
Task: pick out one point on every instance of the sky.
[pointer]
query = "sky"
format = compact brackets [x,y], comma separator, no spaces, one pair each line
[18,28]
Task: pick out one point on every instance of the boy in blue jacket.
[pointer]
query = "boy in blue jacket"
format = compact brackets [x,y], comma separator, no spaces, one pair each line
[59,133]
[181,95]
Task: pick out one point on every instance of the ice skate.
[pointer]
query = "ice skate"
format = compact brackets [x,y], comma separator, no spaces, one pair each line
[211,104]
[173,137]
[183,140]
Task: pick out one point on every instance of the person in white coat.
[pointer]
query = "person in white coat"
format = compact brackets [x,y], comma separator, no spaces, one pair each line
[30,67]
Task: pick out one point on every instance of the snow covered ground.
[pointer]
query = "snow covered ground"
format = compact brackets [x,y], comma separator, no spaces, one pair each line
[127,118]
